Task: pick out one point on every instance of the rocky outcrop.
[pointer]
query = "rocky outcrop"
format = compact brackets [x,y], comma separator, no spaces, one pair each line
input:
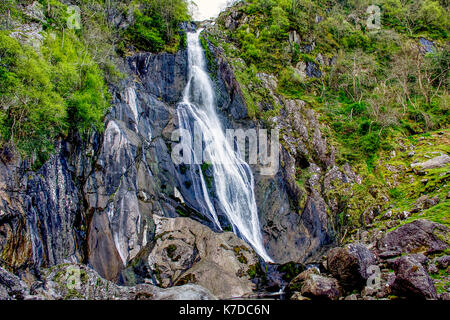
[11,287]
[133,175]
[185,251]
[295,223]
[79,282]
[418,236]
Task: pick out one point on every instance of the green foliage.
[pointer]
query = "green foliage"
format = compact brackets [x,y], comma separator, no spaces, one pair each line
[156,24]
[146,32]
[46,94]
[56,14]
[209,56]
[33,113]
[60,87]
[412,17]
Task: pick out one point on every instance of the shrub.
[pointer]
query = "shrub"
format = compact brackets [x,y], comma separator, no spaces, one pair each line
[156,25]
[44,95]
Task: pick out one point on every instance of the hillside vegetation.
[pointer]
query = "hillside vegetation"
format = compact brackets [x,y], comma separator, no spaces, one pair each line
[55,70]
[368,84]
[382,93]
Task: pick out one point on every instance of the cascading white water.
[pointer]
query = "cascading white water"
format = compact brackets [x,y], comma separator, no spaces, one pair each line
[233,179]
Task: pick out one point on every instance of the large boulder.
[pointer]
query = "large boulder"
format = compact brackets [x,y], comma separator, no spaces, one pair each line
[349,265]
[420,236]
[320,287]
[185,251]
[412,280]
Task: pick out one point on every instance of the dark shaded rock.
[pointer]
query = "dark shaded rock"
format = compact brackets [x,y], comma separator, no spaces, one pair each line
[418,236]
[229,94]
[164,75]
[40,213]
[443,262]
[427,45]
[412,280]
[349,265]
[320,287]
[313,70]
[11,287]
[278,277]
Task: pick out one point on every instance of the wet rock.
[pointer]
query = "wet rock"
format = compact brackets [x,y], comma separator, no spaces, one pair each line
[164,75]
[349,265]
[320,287]
[412,280]
[415,237]
[277,277]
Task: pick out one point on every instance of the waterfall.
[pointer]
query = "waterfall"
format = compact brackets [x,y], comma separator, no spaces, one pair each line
[233,178]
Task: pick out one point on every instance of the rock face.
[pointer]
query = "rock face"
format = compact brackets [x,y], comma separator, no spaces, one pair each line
[40,214]
[412,280]
[185,251]
[349,265]
[133,175]
[418,236]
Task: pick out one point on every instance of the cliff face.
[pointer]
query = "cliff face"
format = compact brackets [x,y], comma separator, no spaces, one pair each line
[94,202]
